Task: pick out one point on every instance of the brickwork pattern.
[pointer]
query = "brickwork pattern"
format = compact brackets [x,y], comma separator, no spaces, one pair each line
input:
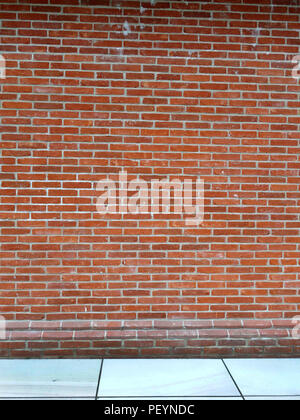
[158,89]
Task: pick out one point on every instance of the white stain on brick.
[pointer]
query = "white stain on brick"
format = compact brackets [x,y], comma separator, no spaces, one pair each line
[126,28]
[296,329]
[296,68]
[2,328]
[256,33]
[2,67]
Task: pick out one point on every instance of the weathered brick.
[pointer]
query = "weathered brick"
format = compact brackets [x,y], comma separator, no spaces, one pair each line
[172,89]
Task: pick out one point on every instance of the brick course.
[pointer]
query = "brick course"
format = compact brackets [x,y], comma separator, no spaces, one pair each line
[158,89]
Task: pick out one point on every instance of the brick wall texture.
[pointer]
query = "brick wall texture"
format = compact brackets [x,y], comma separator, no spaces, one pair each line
[158,89]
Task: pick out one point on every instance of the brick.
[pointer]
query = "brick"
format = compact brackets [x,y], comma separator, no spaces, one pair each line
[177,91]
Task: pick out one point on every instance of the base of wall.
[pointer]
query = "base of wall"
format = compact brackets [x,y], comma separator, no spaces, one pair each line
[207,339]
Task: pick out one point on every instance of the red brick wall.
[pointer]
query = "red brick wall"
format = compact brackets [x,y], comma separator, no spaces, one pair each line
[157,89]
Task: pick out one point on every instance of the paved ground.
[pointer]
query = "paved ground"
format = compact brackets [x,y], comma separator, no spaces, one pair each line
[150,379]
